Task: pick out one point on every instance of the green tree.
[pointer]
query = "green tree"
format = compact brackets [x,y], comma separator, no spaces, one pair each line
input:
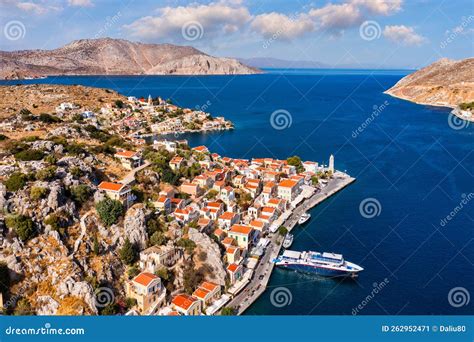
[227,311]
[22,225]
[109,211]
[96,247]
[187,244]
[158,239]
[16,181]
[119,103]
[128,252]
[282,230]
[80,193]
[296,161]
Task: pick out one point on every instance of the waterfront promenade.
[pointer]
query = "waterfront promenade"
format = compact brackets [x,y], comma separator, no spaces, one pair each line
[263,271]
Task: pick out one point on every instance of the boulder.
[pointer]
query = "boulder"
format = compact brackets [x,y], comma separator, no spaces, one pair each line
[135,226]
[46,306]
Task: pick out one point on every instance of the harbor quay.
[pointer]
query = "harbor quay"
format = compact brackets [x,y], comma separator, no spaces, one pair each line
[259,282]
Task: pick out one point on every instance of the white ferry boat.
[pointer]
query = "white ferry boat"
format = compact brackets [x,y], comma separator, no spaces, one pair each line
[325,264]
[304,218]
[288,241]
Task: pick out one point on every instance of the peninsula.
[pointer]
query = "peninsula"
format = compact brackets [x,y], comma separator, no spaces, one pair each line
[445,83]
[107,56]
[98,221]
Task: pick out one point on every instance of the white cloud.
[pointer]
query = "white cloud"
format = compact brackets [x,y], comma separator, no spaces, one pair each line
[403,34]
[283,26]
[214,18]
[80,3]
[336,17]
[381,7]
[36,7]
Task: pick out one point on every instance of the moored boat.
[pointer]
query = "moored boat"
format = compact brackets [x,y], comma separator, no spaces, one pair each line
[325,264]
[288,241]
[304,218]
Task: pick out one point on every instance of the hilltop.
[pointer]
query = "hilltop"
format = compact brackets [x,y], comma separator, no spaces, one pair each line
[444,83]
[107,56]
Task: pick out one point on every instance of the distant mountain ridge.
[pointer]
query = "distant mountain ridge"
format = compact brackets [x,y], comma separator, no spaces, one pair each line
[269,62]
[443,83]
[107,56]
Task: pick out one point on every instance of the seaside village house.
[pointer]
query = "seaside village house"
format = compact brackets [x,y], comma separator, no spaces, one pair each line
[117,191]
[243,235]
[186,305]
[147,289]
[288,189]
[156,257]
[207,293]
[129,159]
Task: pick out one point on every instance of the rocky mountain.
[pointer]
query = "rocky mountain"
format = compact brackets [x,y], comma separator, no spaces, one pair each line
[116,57]
[269,62]
[444,83]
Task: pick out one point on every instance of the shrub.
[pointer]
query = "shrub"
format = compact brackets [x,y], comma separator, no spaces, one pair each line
[23,308]
[76,172]
[38,192]
[282,231]
[16,181]
[3,137]
[109,211]
[80,193]
[28,155]
[188,244]
[46,174]
[158,238]
[51,159]
[228,311]
[133,272]
[48,118]
[128,252]
[119,103]
[53,221]
[22,225]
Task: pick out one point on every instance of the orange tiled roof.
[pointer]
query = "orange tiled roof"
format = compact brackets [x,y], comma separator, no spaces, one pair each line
[228,241]
[227,216]
[208,285]
[126,154]
[145,278]
[239,229]
[109,186]
[200,293]
[183,301]
[232,267]
[218,232]
[287,183]
[257,223]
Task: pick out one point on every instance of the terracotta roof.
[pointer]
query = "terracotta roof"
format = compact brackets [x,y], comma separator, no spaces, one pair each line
[200,293]
[145,278]
[228,241]
[239,229]
[232,267]
[162,199]
[109,186]
[183,301]
[218,232]
[200,148]
[287,183]
[227,216]
[257,223]
[210,286]
[231,250]
[126,154]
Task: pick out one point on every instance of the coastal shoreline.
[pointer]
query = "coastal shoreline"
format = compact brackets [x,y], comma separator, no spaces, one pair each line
[242,300]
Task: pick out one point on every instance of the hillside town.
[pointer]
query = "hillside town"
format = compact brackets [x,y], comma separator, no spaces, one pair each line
[97,221]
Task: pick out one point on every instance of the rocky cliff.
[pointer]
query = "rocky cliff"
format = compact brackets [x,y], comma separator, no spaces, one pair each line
[116,57]
[444,83]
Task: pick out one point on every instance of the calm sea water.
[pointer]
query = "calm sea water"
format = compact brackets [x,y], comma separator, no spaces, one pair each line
[407,158]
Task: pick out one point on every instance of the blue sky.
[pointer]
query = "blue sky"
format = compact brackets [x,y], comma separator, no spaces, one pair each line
[375,33]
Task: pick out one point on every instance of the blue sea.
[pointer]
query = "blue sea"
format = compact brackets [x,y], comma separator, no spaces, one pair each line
[410,163]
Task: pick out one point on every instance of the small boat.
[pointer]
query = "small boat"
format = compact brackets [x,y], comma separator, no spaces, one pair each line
[304,218]
[288,240]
